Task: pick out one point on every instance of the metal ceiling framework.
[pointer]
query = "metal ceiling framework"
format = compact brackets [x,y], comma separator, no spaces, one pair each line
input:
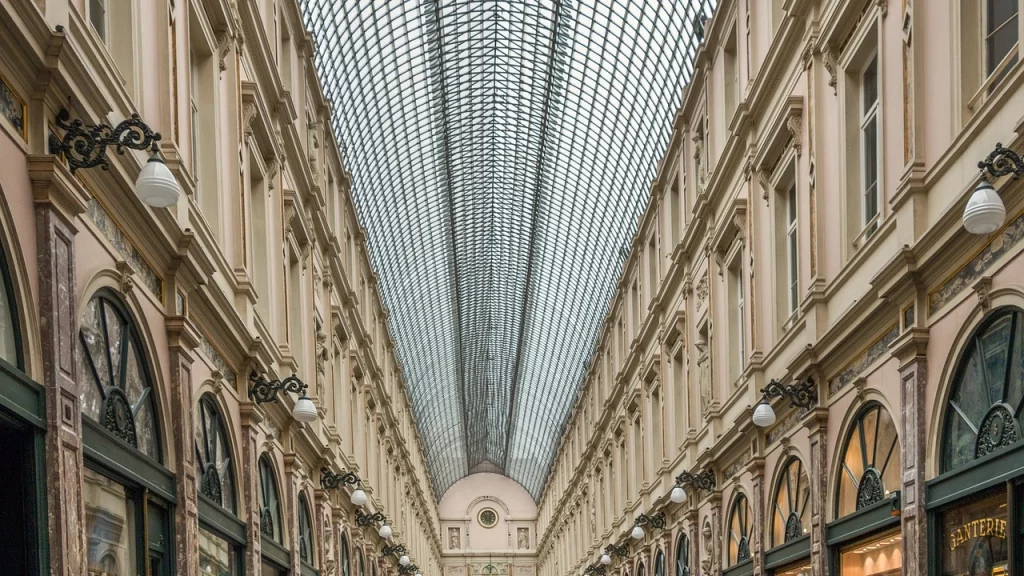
[501,154]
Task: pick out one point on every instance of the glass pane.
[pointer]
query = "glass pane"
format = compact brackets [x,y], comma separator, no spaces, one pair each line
[95,343]
[1015,387]
[995,344]
[974,537]
[110,529]
[8,331]
[114,325]
[798,570]
[216,556]
[972,394]
[870,84]
[882,556]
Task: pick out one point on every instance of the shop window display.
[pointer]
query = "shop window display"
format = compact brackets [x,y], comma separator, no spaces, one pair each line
[876,556]
[974,537]
[799,569]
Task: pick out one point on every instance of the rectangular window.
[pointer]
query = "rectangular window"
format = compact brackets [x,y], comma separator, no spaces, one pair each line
[1001,36]
[732,76]
[652,269]
[738,306]
[194,116]
[791,248]
[869,144]
[98,18]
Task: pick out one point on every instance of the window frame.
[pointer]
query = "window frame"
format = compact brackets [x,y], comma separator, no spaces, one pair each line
[745,524]
[682,554]
[307,533]
[792,239]
[894,457]
[268,488]
[803,488]
[207,400]
[869,224]
[101,34]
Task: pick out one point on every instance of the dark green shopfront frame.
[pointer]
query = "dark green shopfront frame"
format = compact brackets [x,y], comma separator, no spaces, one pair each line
[874,519]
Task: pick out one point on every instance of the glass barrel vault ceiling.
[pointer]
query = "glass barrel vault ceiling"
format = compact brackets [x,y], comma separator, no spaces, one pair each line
[501,154]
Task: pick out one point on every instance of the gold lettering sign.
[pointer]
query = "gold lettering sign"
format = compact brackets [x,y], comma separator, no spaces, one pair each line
[980,528]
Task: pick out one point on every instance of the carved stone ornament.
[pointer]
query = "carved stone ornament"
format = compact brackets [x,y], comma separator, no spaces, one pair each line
[127,281]
[883,7]
[998,430]
[794,125]
[224,42]
[116,416]
[702,290]
[829,58]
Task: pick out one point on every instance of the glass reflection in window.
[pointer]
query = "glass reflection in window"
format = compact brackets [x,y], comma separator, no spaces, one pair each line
[878,556]
[791,513]
[8,325]
[270,511]
[988,392]
[216,556]
[110,530]
[871,461]
[682,555]
[115,387]
[306,552]
[974,537]
[346,568]
[213,456]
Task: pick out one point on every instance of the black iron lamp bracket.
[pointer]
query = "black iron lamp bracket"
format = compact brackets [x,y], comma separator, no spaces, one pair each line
[594,570]
[369,519]
[801,394]
[329,480]
[613,550]
[1002,162]
[262,390]
[653,521]
[86,146]
[702,480]
[410,569]
[396,550]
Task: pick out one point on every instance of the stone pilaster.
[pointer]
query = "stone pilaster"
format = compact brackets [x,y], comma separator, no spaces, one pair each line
[325,532]
[293,485]
[757,548]
[182,340]
[59,199]
[817,426]
[250,511]
[691,527]
[910,350]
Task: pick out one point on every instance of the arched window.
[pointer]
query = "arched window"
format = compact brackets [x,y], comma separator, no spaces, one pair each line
[791,512]
[10,333]
[871,461]
[739,530]
[113,376]
[306,550]
[682,555]
[362,566]
[270,509]
[346,568]
[640,570]
[659,564]
[987,396]
[213,455]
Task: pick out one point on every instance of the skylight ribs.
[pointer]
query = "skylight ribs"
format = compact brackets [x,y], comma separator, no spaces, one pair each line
[501,154]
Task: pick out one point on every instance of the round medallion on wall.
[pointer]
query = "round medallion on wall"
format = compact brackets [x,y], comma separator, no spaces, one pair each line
[487,518]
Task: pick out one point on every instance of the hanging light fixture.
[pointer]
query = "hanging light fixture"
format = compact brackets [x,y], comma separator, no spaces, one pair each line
[262,390]
[384,531]
[358,497]
[678,495]
[764,416]
[801,395]
[404,560]
[985,213]
[637,533]
[606,559]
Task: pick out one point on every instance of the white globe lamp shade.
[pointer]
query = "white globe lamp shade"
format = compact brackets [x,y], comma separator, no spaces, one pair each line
[984,213]
[358,497]
[304,411]
[764,416]
[384,532]
[404,560]
[678,495]
[637,533]
[156,185]
[606,559]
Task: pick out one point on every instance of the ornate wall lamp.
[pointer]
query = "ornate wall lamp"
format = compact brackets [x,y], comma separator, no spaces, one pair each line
[801,395]
[701,481]
[365,520]
[985,213]
[86,147]
[261,390]
[408,569]
[594,570]
[613,550]
[331,481]
[654,521]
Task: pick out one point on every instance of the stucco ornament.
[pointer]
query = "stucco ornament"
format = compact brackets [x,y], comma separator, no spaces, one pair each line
[704,375]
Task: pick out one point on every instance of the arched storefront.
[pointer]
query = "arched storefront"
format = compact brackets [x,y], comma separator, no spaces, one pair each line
[976,503]
[127,492]
[789,546]
[221,533]
[739,561]
[22,428]
[682,552]
[865,539]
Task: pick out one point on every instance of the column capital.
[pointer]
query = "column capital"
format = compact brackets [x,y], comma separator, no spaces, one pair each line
[53,184]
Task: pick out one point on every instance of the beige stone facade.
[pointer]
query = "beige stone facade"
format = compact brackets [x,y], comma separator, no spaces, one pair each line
[805,223]
[260,267]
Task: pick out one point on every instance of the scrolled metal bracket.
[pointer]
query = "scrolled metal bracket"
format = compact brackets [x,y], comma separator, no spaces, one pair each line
[620,551]
[801,394]
[595,570]
[410,569]
[1002,162]
[329,480]
[704,480]
[262,390]
[654,521]
[369,519]
[86,146]
[396,550]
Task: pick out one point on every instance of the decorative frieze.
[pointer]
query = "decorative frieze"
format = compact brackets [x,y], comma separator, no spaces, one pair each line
[865,359]
[976,268]
[207,349]
[141,269]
